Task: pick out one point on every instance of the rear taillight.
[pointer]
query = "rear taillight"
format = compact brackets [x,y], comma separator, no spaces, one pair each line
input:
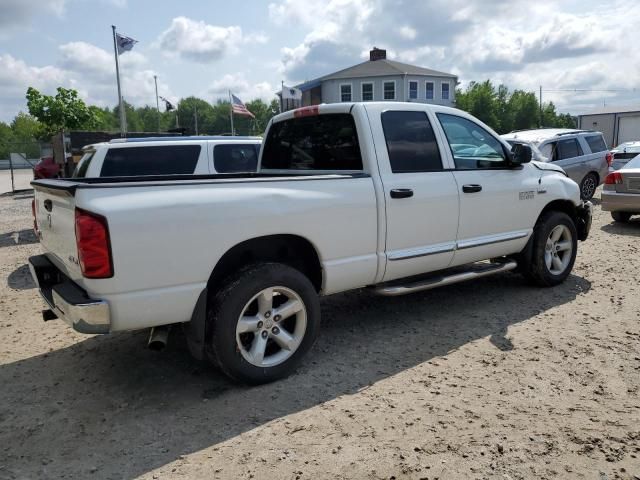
[613,179]
[35,218]
[609,158]
[94,248]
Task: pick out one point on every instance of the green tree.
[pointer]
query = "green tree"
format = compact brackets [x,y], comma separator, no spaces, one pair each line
[64,111]
[6,139]
[26,132]
[480,100]
[525,109]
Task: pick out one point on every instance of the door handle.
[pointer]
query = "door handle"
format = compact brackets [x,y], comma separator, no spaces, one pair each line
[401,193]
[471,188]
[48,205]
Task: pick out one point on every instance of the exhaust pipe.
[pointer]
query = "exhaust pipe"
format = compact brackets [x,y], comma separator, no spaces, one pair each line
[158,337]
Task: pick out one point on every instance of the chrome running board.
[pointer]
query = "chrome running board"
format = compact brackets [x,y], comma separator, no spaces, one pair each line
[468,272]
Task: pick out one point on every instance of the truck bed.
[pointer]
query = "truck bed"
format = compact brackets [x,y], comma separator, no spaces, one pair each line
[69,186]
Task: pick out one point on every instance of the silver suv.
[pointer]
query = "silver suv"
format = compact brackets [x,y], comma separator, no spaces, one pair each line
[582,154]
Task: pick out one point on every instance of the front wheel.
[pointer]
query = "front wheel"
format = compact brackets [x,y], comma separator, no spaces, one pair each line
[588,186]
[555,244]
[262,322]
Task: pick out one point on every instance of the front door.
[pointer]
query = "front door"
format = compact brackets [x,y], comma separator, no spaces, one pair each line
[498,203]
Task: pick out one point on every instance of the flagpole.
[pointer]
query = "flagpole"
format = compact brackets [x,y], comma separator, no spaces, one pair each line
[281,96]
[123,115]
[155,79]
[231,113]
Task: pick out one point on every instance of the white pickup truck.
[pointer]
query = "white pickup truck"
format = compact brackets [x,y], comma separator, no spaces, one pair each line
[397,197]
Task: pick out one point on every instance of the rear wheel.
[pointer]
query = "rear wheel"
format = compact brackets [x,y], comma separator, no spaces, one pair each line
[621,216]
[262,323]
[555,244]
[588,186]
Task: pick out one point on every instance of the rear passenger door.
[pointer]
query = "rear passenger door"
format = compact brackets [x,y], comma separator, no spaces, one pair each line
[568,154]
[421,196]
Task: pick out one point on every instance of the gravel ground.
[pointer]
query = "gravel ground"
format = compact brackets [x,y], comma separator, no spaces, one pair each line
[492,379]
[21,179]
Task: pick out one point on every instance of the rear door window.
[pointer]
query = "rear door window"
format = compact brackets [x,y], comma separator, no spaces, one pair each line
[235,157]
[596,143]
[411,143]
[318,142]
[569,148]
[147,160]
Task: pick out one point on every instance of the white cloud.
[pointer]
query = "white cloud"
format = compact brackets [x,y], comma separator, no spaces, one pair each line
[14,12]
[241,87]
[524,44]
[82,66]
[201,42]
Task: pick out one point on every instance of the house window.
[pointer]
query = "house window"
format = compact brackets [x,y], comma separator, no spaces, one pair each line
[367,92]
[389,90]
[345,92]
[445,91]
[413,90]
[429,90]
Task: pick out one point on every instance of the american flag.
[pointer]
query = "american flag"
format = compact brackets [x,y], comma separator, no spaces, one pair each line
[239,108]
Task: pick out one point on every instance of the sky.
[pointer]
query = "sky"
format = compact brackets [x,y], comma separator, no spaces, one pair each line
[205,48]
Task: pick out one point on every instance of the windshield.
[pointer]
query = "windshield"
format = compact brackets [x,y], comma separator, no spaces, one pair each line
[634,163]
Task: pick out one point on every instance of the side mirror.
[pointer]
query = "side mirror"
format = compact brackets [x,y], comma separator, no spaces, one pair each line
[521,153]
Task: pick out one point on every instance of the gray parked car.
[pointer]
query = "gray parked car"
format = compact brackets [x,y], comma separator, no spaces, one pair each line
[582,154]
[621,191]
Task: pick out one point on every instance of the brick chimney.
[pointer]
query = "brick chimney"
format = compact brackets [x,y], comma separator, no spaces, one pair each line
[377,54]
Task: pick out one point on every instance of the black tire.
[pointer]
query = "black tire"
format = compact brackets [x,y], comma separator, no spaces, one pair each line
[588,186]
[621,216]
[226,307]
[536,269]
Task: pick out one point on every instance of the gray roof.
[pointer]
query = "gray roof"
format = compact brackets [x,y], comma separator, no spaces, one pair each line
[612,109]
[384,67]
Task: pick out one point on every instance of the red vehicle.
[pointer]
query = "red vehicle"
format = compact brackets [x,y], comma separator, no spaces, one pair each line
[46,168]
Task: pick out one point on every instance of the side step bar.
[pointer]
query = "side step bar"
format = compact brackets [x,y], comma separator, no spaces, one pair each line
[471,272]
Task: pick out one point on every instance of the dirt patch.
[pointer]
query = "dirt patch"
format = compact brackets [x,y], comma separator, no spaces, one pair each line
[492,379]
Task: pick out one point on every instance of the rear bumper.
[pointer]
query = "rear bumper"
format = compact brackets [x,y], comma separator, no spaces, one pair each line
[620,202]
[584,213]
[67,300]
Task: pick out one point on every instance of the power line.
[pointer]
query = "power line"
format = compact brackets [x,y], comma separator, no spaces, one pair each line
[588,90]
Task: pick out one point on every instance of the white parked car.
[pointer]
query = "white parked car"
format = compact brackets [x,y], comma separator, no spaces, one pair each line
[582,154]
[623,153]
[397,197]
[200,155]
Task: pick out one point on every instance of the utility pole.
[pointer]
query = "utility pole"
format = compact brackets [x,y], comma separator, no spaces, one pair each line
[155,78]
[540,106]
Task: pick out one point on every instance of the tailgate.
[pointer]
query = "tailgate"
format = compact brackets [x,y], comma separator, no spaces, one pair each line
[55,213]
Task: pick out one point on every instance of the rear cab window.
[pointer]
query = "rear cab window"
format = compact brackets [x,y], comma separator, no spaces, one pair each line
[150,160]
[411,142]
[326,142]
[235,157]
